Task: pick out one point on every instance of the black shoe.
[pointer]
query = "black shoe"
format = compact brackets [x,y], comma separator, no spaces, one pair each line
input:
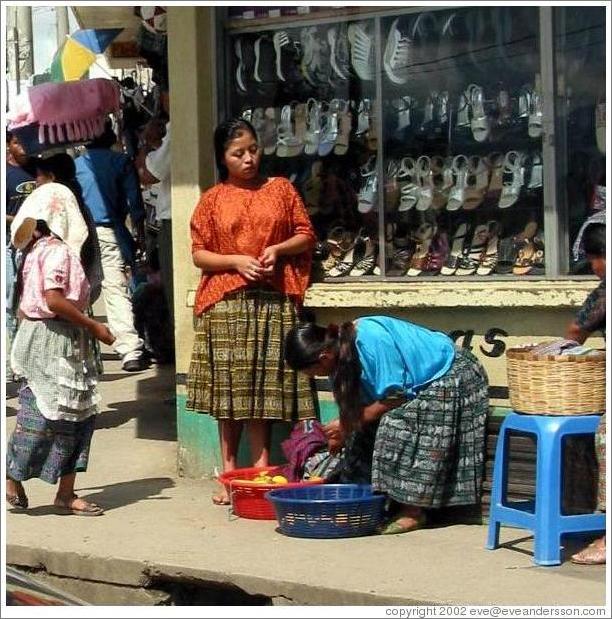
[135,365]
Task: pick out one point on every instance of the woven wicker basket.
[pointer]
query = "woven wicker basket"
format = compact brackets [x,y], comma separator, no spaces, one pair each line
[556,384]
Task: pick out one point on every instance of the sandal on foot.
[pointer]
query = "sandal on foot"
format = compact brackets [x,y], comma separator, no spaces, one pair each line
[220,499]
[88,509]
[593,554]
[19,500]
[394,527]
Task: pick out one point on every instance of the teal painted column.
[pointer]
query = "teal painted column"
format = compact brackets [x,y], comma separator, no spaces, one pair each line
[199,454]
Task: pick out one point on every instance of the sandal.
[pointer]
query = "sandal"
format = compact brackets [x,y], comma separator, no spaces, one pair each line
[270,130]
[393,527]
[409,190]
[514,179]
[88,509]
[425,180]
[452,262]
[593,554]
[345,122]
[488,259]
[456,196]
[19,500]
[468,264]
[530,258]
[221,499]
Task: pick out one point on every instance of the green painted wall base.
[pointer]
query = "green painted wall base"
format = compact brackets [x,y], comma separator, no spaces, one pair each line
[198,439]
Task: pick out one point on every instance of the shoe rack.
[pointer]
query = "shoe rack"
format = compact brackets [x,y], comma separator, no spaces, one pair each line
[421,141]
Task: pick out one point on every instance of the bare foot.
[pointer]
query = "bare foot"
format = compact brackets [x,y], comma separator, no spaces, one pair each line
[221,498]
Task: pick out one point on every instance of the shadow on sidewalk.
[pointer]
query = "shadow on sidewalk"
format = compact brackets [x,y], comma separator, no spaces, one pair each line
[114,495]
[153,409]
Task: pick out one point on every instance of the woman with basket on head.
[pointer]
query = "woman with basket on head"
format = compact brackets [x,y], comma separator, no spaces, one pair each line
[252,238]
[591,318]
[413,409]
[53,351]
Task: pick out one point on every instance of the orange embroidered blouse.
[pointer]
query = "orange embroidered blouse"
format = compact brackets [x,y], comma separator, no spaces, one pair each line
[234,220]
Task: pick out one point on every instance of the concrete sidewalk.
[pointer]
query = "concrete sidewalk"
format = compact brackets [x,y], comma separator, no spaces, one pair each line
[162,541]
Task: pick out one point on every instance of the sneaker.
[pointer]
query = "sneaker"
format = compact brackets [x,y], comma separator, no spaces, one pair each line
[265,62]
[362,51]
[135,362]
[287,57]
[339,55]
[240,74]
[315,65]
[397,55]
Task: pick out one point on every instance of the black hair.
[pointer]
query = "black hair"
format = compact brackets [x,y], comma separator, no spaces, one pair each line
[594,240]
[107,139]
[61,166]
[9,136]
[224,134]
[64,170]
[43,230]
[304,344]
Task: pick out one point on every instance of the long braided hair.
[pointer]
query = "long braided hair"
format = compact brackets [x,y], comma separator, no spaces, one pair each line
[303,346]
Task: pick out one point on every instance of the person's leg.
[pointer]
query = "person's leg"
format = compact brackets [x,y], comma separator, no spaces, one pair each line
[165,264]
[119,311]
[15,494]
[259,441]
[229,438]
[67,499]
[595,553]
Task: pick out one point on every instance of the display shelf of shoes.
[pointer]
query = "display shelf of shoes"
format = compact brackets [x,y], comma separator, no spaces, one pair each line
[463,155]
[446,162]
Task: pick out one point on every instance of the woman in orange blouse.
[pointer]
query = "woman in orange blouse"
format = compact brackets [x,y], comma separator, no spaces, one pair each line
[252,238]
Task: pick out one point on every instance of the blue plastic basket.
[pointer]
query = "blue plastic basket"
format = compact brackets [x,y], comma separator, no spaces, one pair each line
[328,510]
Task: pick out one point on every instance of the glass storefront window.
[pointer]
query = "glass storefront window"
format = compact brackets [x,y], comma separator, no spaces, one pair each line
[416,136]
[463,135]
[581,87]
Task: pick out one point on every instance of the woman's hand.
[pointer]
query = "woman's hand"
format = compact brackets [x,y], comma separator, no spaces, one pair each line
[334,435]
[268,259]
[102,332]
[250,268]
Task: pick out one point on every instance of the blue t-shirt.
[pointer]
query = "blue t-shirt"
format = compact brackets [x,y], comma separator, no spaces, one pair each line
[399,357]
[20,183]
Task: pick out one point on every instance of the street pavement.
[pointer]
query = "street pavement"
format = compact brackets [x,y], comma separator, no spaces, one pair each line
[160,529]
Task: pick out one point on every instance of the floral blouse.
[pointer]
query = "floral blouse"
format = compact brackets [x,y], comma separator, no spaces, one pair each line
[592,314]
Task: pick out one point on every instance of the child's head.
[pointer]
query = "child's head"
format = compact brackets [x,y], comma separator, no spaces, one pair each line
[594,246]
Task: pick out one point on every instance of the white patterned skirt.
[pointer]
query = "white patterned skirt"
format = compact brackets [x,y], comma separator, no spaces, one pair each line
[57,360]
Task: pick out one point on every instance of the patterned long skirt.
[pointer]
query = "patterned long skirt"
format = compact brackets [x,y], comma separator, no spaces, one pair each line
[430,451]
[600,451]
[46,449]
[237,369]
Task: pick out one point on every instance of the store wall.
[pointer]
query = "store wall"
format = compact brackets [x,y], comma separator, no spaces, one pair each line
[191,71]
[489,317]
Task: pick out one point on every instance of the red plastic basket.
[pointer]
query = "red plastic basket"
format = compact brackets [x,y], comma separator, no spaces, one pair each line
[248,498]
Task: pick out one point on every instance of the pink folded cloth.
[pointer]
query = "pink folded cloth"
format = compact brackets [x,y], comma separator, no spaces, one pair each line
[68,111]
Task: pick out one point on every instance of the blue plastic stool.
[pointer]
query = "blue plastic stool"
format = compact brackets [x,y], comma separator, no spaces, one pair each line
[546,520]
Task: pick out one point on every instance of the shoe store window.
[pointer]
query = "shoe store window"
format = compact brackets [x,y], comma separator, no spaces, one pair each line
[581,88]
[415,137]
